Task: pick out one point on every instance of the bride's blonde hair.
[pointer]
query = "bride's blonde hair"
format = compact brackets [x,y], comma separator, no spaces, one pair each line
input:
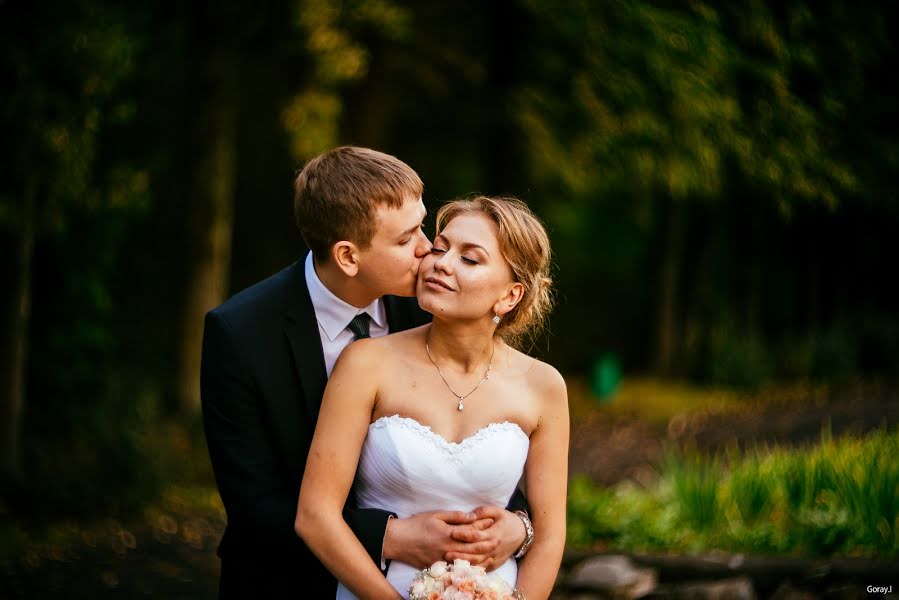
[525,246]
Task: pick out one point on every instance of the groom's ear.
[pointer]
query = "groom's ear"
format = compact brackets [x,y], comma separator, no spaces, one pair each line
[513,296]
[345,256]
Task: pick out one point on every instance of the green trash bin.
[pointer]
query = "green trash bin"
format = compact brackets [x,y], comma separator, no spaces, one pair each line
[605,377]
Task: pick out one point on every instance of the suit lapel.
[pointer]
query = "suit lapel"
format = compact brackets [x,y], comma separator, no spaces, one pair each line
[301,330]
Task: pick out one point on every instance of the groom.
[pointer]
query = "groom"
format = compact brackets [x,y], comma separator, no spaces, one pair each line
[267,355]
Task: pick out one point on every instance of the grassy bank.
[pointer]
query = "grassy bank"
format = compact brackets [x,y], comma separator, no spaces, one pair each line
[840,497]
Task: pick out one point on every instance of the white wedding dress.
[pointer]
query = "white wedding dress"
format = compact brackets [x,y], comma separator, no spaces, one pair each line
[408,469]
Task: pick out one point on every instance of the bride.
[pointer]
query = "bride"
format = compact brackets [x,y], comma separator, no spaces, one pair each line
[450,415]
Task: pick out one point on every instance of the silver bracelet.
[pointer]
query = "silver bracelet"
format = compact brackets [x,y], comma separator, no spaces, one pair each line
[528,533]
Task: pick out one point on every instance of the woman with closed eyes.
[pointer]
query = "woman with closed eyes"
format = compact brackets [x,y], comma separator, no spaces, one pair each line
[451,415]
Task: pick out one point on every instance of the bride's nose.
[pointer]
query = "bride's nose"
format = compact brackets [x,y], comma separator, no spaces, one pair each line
[444,263]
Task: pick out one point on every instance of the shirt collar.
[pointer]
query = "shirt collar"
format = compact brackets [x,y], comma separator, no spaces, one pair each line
[332,313]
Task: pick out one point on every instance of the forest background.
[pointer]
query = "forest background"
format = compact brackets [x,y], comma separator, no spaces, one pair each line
[718,179]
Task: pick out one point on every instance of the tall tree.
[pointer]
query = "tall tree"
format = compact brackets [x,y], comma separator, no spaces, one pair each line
[659,107]
[214,36]
[333,53]
[65,65]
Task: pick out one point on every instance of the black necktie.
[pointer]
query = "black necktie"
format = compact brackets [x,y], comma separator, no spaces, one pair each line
[359,326]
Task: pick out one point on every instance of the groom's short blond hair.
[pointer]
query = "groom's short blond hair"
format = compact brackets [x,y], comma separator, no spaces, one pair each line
[338,193]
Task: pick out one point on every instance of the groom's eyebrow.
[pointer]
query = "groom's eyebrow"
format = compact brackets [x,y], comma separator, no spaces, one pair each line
[411,230]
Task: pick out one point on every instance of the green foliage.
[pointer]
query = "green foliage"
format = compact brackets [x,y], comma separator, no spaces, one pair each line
[839,352]
[738,360]
[662,100]
[332,33]
[840,497]
[625,516]
[752,488]
[695,480]
[76,415]
[69,66]
[67,85]
[868,486]
[747,118]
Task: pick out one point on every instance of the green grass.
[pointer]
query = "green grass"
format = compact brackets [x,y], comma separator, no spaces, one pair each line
[661,400]
[695,481]
[840,497]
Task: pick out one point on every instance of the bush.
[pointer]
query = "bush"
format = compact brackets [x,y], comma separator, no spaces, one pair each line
[840,497]
[737,360]
[694,479]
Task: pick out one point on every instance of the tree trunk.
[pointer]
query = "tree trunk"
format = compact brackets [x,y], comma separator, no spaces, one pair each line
[753,275]
[696,326]
[669,288]
[502,143]
[14,349]
[370,118]
[211,209]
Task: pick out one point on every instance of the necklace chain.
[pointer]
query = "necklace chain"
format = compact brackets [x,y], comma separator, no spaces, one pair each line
[460,397]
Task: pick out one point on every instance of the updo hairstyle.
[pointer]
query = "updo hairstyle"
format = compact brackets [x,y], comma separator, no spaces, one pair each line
[525,246]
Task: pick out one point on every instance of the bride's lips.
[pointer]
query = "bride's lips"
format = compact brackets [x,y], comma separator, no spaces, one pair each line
[434,283]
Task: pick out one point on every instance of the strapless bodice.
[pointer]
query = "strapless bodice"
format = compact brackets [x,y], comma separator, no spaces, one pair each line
[408,469]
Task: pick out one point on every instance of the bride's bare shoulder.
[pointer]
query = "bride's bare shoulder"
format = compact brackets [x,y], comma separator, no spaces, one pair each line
[383,349]
[540,376]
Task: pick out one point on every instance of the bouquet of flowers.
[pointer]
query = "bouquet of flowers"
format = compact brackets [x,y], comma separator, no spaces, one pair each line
[458,581]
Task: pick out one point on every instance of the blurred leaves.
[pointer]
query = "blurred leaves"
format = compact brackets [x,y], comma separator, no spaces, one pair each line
[66,90]
[689,142]
[312,117]
[334,34]
[69,66]
[658,100]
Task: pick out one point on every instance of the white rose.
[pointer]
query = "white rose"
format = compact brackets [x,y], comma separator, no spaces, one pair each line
[462,570]
[438,568]
[419,588]
[435,585]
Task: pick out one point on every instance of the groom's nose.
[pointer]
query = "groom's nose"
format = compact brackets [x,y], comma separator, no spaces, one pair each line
[422,245]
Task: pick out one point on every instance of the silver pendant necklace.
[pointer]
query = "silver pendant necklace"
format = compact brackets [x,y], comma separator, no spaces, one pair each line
[460,397]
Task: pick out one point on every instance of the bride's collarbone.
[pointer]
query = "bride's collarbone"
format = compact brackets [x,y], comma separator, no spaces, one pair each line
[417,395]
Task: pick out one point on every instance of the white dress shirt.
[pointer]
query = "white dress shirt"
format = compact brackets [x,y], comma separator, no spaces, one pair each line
[333,316]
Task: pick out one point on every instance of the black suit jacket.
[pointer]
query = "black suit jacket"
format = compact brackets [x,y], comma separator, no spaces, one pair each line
[262,380]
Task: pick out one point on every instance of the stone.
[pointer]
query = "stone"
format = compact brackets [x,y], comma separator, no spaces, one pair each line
[612,577]
[788,591]
[737,588]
